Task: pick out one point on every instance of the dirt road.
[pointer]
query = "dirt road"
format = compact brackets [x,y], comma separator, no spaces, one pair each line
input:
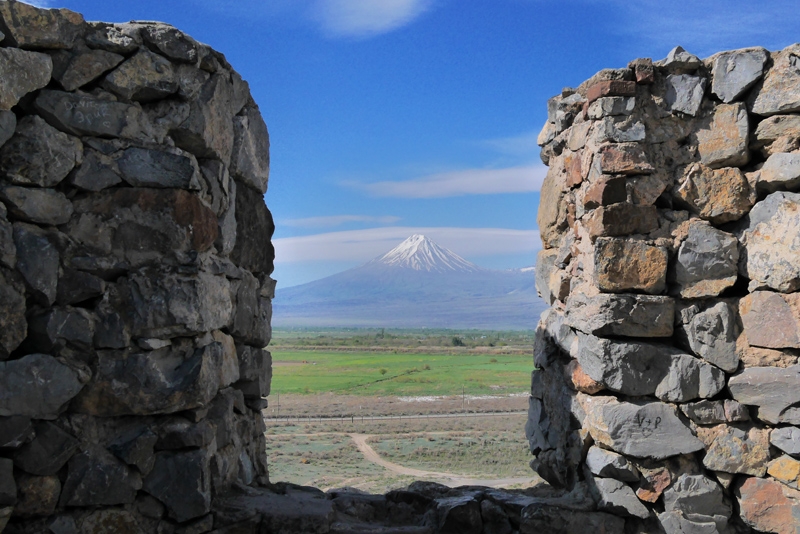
[448,479]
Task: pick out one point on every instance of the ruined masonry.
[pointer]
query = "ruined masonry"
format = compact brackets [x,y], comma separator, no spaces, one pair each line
[135,286]
[667,382]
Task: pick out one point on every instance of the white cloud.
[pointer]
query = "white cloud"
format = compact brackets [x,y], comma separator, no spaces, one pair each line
[525,179]
[337,220]
[518,145]
[364,245]
[366,18]
[40,3]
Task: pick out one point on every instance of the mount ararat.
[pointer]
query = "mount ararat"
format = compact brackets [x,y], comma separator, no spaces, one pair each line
[418,284]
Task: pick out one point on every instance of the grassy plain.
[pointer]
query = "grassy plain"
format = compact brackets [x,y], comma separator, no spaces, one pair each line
[353,373]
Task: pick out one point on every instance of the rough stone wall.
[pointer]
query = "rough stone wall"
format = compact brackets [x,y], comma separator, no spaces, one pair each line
[667,378]
[134,276]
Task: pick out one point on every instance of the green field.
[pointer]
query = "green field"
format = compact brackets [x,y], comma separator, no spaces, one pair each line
[361,373]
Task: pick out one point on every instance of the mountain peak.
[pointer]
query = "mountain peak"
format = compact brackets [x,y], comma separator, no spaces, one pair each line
[421,254]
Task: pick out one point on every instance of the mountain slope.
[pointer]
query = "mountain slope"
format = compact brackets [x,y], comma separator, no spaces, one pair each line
[416,284]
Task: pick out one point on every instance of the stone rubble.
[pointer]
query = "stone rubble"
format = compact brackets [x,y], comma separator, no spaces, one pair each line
[667,366]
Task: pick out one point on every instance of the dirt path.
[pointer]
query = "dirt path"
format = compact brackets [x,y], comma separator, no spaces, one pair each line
[448,479]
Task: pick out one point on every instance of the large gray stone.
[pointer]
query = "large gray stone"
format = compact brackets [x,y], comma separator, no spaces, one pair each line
[737,71]
[771,320]
[706,263]
[208,131]
[48,452]
[684,93]
[618,498]
[50,331]
[621,315]
[136,227]
[780,172]
[771,243]
[181,480]
[38,154]
[676,523]
[8,123]
[27,26]
[710,333]
[37,261]
[82,114]
[641,430]
[170,41]
[141,167]
[615,130]
[252,314]
[77,68]
[636,369]
[136,447]
[772,391]
[75,287]
[13,323]
[255,371]
[164,304]
[155,382]
[15,431]
[8,487]
[611,106]
[679,60]
[37,386]
[609,464]
[255,224]
[40,206]
[38,496]
[112,37]
[96,172]
[780,90]
[97,478]
[696,495]
[21,72]
[780,130]
[459,514]
[786,439]
[250,158]
[143,78]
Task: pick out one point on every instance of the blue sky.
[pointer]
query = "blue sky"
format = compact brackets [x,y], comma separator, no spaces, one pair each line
[394,117]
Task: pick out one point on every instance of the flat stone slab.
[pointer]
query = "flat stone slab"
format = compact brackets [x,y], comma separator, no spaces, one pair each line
[638,368]
[621,315]
[773,391]
[771,320]
[706,263]
[37,386]
[641,430]
[736,71]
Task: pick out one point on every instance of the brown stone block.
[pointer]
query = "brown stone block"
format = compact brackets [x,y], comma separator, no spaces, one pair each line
[610,88]
[580,381]
[771,320]
[624,158]
[574,168]
[768,506]
[719,196]
[626,265]
[643,70]
[622,219]
[606,191]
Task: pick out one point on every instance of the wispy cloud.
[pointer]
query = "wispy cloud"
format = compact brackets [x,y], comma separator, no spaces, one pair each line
[338,220]
[366,18]
[363,245]
[525,179]
[523,145]
[706,26]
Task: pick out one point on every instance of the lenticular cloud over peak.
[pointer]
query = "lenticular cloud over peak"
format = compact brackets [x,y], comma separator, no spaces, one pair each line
[366,18]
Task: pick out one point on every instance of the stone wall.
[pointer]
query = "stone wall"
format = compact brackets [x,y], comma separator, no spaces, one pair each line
[667,380]
[135,263]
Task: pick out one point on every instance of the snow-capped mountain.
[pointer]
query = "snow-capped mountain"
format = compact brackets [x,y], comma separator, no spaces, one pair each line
[416,284]
[421,254]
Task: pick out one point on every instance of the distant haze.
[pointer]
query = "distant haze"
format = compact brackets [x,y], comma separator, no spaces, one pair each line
[417,284]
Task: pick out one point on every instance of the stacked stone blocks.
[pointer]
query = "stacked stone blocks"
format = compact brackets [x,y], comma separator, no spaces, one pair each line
[135,264]
[667,366]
